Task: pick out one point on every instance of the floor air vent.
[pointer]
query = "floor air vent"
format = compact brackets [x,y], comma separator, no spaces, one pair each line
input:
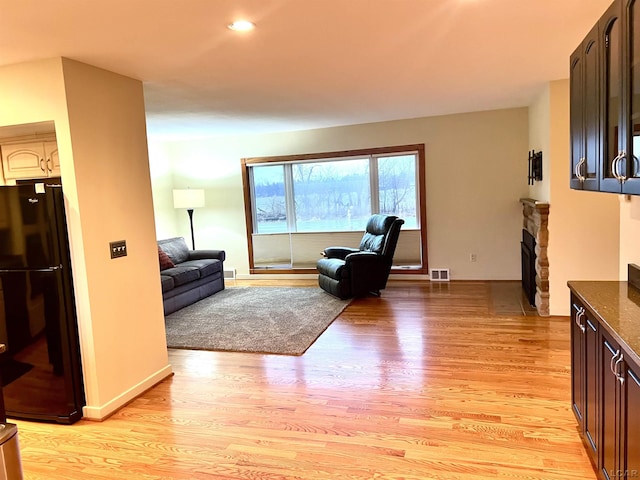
[439,274]
[231,274]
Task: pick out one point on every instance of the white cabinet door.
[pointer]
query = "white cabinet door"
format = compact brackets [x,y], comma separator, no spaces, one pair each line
[24,160]
[30,160]
[52,160]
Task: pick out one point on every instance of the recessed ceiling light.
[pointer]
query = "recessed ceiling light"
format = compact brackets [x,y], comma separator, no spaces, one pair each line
[241,25]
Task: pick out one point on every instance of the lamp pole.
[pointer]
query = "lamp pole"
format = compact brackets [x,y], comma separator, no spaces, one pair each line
[193,239]
[189,199]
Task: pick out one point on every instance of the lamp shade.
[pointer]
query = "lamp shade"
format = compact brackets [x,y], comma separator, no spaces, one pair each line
[188,198]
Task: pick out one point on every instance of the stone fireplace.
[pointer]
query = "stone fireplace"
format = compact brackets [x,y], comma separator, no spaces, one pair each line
[536,216]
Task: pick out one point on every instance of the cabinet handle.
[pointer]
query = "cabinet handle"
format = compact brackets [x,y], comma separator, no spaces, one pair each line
[623,178]
[49,161]
[579,315]
[615,163]
[612,362]
[614,167]
[41,165]
[578,168]
[619,376]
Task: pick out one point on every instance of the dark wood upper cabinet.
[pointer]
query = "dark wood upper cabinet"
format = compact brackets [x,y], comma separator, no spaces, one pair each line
[613,131]
[585,114]
[605,103]
[631,165]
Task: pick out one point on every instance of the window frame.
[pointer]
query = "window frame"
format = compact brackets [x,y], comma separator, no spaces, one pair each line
[248,190]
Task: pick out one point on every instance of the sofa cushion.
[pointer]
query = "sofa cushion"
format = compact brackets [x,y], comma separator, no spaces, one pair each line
[206,266]
[182,275]
[176,248]
[167,283]
[165,261]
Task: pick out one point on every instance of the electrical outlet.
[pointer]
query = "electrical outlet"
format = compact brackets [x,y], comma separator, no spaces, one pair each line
[118,248]
[473,257]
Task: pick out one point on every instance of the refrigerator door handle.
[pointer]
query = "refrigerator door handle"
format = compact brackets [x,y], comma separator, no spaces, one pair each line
[14,270]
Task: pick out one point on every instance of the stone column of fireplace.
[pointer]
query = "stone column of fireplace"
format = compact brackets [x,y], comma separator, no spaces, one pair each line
[536,216]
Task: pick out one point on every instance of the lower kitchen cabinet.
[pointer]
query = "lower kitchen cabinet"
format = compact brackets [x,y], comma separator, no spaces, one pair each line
[605,385]
[632,423]
[620,412]
[610,401]
[584,363]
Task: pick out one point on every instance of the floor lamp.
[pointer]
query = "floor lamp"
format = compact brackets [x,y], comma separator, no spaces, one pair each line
[189,199]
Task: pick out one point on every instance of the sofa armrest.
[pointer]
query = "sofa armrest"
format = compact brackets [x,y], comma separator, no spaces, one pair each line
[338,252]
[202,254]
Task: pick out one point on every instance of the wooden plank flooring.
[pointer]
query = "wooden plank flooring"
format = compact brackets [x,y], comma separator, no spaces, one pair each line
[430,381]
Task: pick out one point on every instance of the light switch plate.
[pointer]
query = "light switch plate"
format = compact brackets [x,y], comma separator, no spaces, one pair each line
[118,248]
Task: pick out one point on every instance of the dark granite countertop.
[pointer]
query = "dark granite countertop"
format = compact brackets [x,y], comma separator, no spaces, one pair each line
[616,305]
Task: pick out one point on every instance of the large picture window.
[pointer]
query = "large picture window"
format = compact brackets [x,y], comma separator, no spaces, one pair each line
[298,205]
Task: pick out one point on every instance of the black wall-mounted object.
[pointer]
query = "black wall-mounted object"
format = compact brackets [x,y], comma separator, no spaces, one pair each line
[535,167]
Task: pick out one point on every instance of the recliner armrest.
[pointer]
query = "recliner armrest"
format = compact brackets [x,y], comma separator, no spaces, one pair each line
[203,254]
[339,252]
[365,258]
[367,266]
[368,272]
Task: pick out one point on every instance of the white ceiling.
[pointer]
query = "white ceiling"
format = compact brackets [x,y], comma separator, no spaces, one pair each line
[309,63]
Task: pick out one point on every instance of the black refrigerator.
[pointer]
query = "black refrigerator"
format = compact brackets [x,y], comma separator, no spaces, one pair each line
[40,368]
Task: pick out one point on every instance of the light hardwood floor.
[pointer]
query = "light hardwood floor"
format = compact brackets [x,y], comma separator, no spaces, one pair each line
[430,381]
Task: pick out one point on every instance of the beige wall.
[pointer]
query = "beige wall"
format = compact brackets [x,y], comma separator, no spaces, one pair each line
[583,226]
[100,125]
[539,138]
[476,166]
[162,180]
[629,232]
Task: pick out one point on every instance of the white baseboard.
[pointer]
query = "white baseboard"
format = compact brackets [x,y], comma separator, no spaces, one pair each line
[276,276]
[104,411]
[299,276]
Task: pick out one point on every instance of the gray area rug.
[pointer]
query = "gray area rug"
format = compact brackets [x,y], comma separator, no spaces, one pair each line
[281,320]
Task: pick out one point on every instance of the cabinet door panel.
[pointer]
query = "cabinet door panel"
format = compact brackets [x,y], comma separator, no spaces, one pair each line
[613,127]
[586,134]
[632,424]
[591,420]
[52,159]
[577,116]
[592,153]
[609,459]
[577,364]
[24,160]
[632,104]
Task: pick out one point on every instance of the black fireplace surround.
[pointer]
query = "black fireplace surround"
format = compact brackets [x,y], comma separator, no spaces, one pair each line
[528,249]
